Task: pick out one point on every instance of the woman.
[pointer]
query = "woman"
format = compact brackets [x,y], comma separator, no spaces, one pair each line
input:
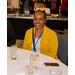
[45,40]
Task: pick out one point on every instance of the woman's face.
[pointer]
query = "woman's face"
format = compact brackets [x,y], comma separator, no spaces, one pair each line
[39,20]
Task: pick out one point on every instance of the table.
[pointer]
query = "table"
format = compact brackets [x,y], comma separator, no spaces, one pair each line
[17,67]
[30,16]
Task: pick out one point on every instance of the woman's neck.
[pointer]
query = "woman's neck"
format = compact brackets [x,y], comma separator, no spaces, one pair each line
[39,29]
[38,32]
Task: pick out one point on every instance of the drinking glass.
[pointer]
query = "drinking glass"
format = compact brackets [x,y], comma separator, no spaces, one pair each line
[55,72]
[30,70]
[34,59]
[14,52]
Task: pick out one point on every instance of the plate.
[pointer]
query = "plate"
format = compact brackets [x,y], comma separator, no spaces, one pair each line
[55,15]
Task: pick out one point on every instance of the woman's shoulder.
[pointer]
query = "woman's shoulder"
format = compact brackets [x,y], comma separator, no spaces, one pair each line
[29,30]
[50,31]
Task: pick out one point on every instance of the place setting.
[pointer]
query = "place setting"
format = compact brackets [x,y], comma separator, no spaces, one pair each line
[34,65]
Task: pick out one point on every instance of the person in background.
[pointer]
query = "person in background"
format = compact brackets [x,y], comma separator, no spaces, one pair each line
[31,6]
[26,6]
[40,38]
[54,5]
[22,6]
[64,8]
[11,38]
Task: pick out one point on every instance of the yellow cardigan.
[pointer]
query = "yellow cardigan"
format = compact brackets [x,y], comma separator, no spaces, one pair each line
[48,43]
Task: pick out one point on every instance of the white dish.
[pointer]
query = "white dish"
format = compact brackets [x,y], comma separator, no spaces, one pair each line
[55,15]
[27,12]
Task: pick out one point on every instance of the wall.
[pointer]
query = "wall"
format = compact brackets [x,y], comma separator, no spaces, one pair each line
[13,3]
[9,2]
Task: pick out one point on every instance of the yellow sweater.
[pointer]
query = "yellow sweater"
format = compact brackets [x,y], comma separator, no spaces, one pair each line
[48,43]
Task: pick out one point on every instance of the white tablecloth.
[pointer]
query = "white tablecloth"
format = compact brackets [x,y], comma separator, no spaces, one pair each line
[17,67]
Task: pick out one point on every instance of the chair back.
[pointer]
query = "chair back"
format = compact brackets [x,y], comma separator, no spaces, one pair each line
[62,47]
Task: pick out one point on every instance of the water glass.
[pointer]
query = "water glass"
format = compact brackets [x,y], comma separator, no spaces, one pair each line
[30,70]
[34,59]
[14,52]
[55,72]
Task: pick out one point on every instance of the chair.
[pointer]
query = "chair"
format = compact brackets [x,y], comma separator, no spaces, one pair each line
[63,47]
[19,42]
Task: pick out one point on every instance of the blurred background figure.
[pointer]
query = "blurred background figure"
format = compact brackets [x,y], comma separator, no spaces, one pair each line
[54,5]
[22,6]
[64,8]
[31,6]
[11,38]
[26,6]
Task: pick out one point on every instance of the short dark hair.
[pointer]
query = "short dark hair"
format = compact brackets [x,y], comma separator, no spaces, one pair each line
[43,11]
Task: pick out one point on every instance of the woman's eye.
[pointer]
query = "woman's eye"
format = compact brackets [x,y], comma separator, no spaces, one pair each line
[41,19]
[35,19]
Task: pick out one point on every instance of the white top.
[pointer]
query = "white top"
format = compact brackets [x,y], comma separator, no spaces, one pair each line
[17,67]
[37,45]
